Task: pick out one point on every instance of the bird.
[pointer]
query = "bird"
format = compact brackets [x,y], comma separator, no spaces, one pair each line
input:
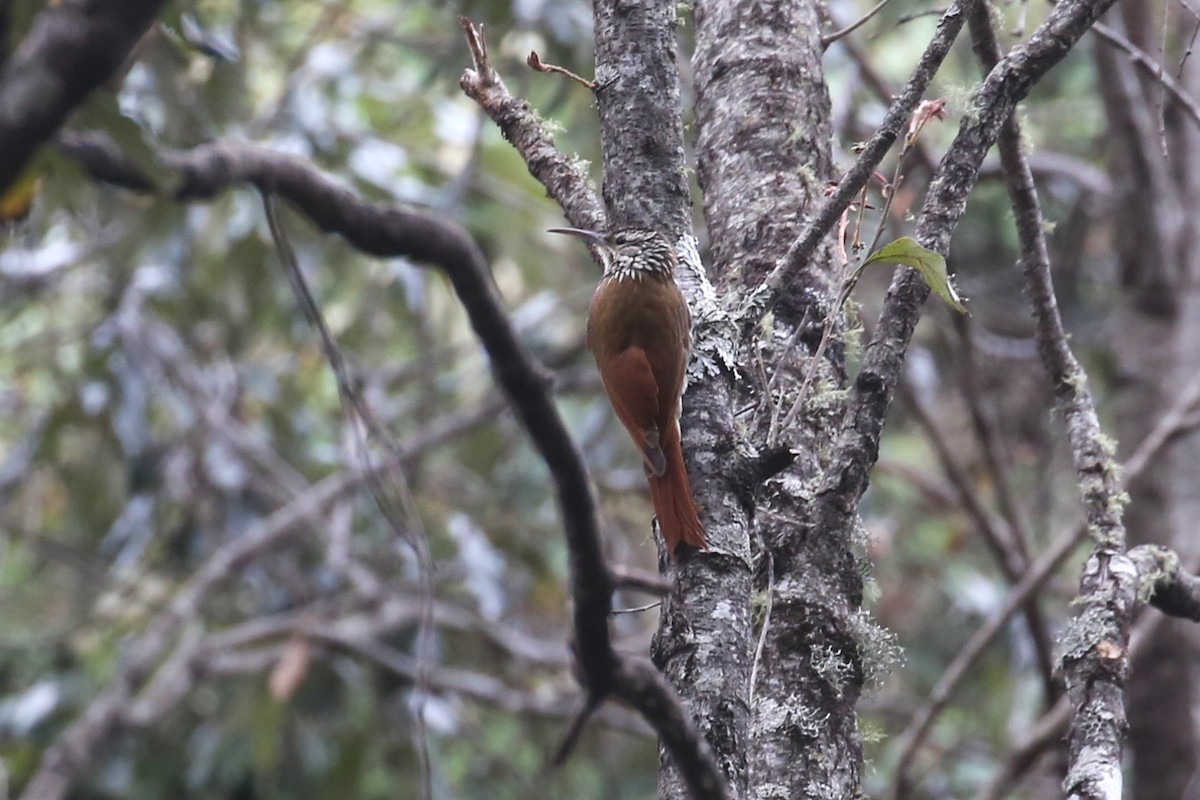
[639,332]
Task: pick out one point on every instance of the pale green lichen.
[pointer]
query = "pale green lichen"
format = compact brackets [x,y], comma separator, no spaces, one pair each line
[834,668]
[790,714]
[964,98]
[550,126]
[860,541]
[871,733]
[758,607]
[807,175]
[581,165]
[1166,568]
[1028,145]
[852,335]
[1077,380]
[879,648]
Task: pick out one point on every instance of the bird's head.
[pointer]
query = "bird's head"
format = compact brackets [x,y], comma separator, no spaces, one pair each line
[630,252]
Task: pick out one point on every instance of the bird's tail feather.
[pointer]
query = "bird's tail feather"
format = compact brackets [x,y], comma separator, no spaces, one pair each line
[678,519]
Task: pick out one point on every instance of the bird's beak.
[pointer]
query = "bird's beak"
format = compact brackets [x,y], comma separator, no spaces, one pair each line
[586,235]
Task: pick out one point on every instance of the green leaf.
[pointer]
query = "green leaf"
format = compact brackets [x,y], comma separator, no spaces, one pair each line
[931,265]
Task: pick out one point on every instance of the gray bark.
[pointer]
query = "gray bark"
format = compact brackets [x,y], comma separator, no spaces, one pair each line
[703,641]
[763,150]
[1158,248]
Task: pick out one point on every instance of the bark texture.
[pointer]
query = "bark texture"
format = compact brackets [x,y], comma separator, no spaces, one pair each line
[703,641]
[763,150]
[1158,249]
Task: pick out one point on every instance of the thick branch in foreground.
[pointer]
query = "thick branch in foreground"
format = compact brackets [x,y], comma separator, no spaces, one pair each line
[73,48]
[393,231]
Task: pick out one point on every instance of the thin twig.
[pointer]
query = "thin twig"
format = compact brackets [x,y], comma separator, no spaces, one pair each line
[640,580]
[802,249]
[564,178]
[830,38]
[1161,99]
[766,622]
[989,440]
[359,413]
[1191,40]
[637,609]
[904,19]
[535,62]
[1148,65]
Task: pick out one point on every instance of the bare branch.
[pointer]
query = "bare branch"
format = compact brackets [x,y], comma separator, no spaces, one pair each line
[894,123]
[566,180]
[1007,84]
[1152,68]
[1095,645]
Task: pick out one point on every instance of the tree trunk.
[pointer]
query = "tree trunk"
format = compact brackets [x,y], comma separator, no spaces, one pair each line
[763,152]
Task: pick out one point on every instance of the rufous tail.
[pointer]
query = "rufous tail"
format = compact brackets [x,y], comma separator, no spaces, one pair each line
[678,520]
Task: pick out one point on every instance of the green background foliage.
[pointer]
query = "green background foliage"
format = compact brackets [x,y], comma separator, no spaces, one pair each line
[161,394]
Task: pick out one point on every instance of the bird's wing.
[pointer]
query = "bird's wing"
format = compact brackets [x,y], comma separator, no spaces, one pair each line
[629,382]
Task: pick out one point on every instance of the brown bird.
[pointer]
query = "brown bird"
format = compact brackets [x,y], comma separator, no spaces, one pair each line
[639,331]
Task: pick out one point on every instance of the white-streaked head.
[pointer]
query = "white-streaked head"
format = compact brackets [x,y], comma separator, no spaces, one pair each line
[630,252]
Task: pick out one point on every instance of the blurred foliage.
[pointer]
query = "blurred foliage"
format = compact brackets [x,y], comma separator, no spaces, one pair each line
[161,395]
